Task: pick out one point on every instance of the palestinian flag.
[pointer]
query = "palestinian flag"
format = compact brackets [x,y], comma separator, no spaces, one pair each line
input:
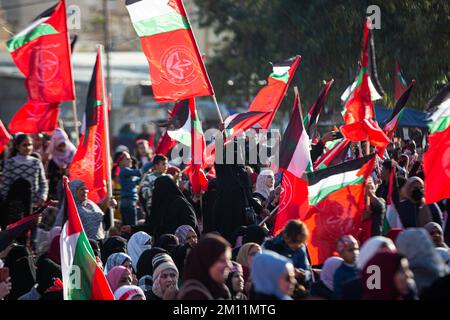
[358,110]
[374,95]
[5,137]
[165,144]
[312,117]
[89,163]
[436,160]
[35,117]
[392,122]
[269,98]
[238,123]
[82,277]
[400,85]
[334,156]
[41,51]
[197,177]
[392,219]
[295,160]
[15,230]
[372,65]
[176,68]
[337,203]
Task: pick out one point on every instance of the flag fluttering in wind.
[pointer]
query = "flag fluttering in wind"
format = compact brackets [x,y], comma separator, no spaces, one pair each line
[295,160]
[83,278]
[35,117]
[400,85]
[176,68]
[358,110]
[312,117]
[5,137]
[436,160]
[89,163]
[269,98]
[391,123]
[41,51]
[336,199]
[334,156]
[238,123]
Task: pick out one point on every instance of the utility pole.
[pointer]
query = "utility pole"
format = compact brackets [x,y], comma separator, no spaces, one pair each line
[107,43]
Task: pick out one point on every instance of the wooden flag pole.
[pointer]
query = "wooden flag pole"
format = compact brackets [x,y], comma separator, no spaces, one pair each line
[106,128]
[269,216]
[217,107]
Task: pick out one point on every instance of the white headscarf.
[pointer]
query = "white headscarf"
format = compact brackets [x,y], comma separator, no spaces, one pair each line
[371,247]
[261,186]
[328,270]
[136,245]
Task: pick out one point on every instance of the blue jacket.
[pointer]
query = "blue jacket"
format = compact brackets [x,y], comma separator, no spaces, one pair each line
[129,179]
[342,275]
[298,257]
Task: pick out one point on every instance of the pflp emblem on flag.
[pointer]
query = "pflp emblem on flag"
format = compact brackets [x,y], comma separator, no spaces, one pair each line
[178,64]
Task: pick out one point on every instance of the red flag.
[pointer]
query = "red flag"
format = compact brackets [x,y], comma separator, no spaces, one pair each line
[197,177]
[176,67]
[269,98]
[5,137]
[358,110]
[89,163]
[35,117]
[42,53]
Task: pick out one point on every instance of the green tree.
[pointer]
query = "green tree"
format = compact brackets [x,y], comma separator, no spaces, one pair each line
[328,35]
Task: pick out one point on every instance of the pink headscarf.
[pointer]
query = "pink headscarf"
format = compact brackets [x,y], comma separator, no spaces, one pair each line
[114,276]
[62,159]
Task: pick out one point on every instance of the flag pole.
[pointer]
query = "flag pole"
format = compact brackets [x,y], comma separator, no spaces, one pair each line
[75,121]
[106,126]
[269,216]
[217,107]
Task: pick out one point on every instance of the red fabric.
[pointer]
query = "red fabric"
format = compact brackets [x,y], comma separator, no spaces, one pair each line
[4,137]
[165,144]
[436,167]
[199,182]
[269,98]
[100,289]
[176,69]
[293,201]
[35,117]
[89,163]
[45,62]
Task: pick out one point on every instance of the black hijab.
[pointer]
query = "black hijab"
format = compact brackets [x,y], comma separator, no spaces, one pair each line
[113,245]
[167,242]
[22,271]
[46,273]
[201,258]
[144,266]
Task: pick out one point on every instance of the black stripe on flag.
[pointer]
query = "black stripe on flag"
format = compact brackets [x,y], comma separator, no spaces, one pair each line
[179,119]
[47,13]
[373,65]
[316,176]
[291,136]
[435,102]
[243,117]
[401,102]
[286,63]
[130,2]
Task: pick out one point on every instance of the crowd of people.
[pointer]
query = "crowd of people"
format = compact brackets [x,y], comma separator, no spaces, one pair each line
[166,242]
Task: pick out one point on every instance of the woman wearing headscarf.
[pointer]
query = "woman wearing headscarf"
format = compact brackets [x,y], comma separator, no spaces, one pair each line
[324,288]
[95,221]
[179,255]
[46,273]
[129,292]
[165,278]
[118,259]
[206,269]
[186,234]
[167,242]
[264,185]
[62,151]
[138,243]
[235,282]
[144,266]
[24,184]
[118,276]
[273,277]
[170,209]
[396,281]
[22,271]
[412,210]
[209,200]
[245,257]
[437,234]
[352,289]
[112,245]
[424,261]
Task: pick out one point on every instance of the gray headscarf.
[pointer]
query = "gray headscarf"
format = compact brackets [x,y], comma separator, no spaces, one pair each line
[424,261]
